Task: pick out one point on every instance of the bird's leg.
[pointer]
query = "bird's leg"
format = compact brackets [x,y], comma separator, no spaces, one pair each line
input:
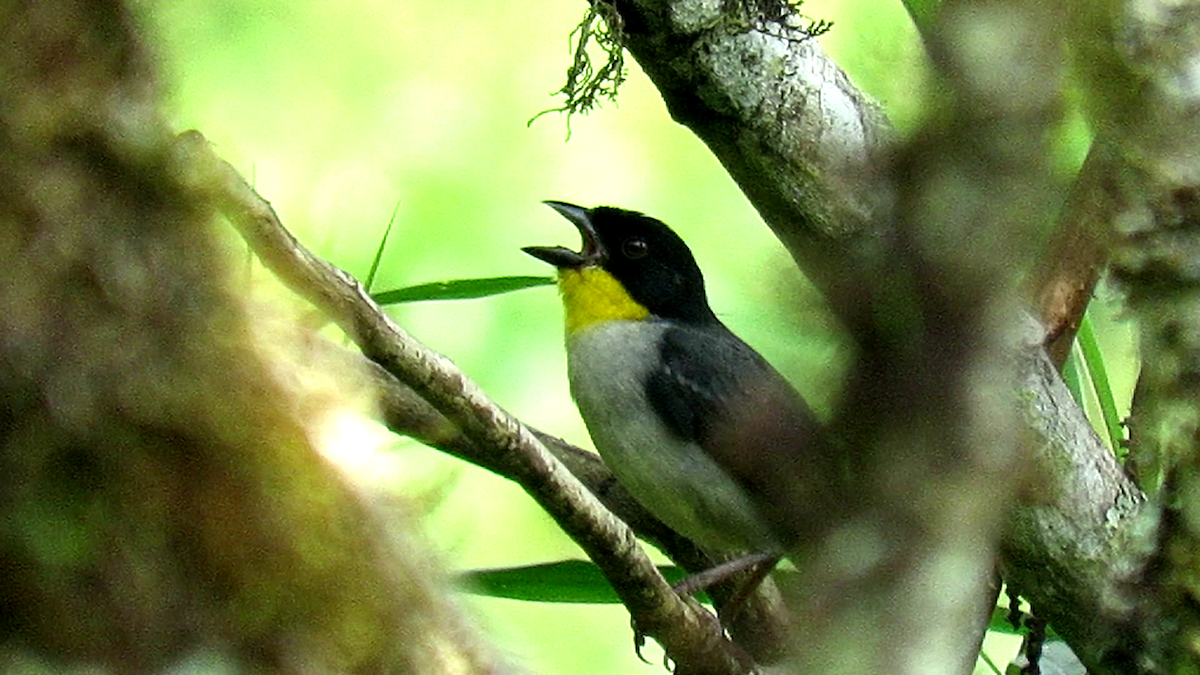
[759,564]
[718,573]
[758,572]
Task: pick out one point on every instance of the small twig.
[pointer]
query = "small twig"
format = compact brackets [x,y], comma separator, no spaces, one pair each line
[687,632]
[1062,282]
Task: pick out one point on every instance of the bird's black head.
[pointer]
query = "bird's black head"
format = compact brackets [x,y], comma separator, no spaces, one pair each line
[651,262]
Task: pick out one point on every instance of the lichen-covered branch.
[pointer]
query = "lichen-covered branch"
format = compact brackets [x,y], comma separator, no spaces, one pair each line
[795,134]
[1138,58]
[1084,533]
[929,419]
[807,148]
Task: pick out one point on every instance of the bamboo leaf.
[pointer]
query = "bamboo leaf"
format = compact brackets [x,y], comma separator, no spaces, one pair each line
[1094,359]
[575,581]
[459,289]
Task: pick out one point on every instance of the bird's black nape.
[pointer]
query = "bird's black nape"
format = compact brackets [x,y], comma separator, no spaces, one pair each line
[652,263]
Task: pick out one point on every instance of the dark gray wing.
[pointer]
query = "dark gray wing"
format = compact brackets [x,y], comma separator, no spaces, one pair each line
[687,394]
[749,419]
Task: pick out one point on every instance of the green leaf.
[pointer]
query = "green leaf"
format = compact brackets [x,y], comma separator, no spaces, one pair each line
[564,581]
[459,289]
[379,251]
[999,623]
[579,581]
[1094,359]
[1071,376]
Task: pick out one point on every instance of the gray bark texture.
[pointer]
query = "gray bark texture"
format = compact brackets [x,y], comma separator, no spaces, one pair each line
[940,215]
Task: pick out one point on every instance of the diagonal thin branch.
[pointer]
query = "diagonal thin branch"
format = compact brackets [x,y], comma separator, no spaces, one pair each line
[688,633]
[405,413]
[762,625]
[1062,283]
[802,142]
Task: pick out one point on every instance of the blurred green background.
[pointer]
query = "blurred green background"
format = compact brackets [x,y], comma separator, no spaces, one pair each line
[343,112]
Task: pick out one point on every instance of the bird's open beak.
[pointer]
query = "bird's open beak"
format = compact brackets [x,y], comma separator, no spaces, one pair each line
[592,252]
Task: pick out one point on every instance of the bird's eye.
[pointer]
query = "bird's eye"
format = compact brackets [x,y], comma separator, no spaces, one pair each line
[635,248]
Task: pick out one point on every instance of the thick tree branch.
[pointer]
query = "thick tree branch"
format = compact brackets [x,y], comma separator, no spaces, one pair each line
[1141,60]
[929,416]
[1076,549]
[798,137]
[802,142]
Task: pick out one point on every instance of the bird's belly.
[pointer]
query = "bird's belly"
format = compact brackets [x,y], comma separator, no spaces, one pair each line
[674,479]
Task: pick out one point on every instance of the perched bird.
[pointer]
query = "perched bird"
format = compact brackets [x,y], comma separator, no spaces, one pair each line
[699,428]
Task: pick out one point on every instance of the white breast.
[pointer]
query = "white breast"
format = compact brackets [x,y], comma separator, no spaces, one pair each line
[675,480]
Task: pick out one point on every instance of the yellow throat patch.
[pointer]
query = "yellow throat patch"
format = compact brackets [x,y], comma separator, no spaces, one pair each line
[591,296]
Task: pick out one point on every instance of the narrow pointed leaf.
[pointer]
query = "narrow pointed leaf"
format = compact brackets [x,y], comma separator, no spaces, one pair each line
[459,289]
[370,280]
[575,581]
[1094,359]
[1071,375]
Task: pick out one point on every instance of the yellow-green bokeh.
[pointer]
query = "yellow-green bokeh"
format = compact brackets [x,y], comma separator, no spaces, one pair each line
[344,112]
